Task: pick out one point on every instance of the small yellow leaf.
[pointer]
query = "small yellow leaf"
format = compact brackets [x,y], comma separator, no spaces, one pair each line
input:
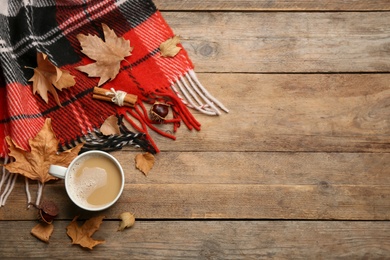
[169,48]
[110,126]
[43,231]
[144,162]
[128,220]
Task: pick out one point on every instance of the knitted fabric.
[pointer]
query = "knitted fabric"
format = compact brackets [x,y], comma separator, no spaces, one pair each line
[51,27]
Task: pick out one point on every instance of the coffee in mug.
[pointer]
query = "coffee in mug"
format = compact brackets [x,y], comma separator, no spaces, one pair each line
[94,180]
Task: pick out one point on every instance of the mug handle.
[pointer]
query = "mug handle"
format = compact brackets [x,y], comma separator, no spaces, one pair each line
[57,171]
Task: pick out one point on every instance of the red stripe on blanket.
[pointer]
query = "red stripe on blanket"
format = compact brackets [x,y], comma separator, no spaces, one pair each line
[87,19]
[149,76]
[152,33]
[80,113]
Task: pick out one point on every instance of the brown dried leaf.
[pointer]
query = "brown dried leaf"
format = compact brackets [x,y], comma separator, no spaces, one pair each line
[110,126]
[43,231]
[47,76]
[108,54]
[144,162]
[35,164]
[128,220]
[81,235]
[169,48]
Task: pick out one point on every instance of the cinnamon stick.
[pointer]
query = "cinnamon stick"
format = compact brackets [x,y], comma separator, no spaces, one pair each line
[109,99]
[101,94]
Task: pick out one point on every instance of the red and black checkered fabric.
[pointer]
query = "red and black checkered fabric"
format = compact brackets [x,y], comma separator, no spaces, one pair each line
[51,27]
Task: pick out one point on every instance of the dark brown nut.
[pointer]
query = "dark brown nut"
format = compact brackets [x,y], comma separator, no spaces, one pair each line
[158,112]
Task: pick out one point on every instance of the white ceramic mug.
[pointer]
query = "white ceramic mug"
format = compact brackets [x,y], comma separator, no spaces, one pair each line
[86,180]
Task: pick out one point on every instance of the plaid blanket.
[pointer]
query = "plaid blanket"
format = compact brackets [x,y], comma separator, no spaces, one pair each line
[51,27]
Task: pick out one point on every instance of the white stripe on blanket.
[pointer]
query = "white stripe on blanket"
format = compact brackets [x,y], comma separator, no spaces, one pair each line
[55,34]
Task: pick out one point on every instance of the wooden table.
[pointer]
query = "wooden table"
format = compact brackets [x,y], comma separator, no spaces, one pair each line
[299,168]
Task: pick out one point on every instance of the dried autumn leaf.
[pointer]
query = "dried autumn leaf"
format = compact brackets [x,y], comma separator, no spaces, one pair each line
[108,54]
[144,162]
[43,231]
[47,76]
[128,220]
[35,164]
[169,48]
[110,126]
[81,235]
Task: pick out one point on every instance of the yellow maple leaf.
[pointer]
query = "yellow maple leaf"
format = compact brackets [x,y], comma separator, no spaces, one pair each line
[48,77]
[108,54]
[169,48]
[81,235]
[35,164]
[144,162]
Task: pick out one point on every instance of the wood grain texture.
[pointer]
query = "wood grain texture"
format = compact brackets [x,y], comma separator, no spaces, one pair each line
[311,112]
[298,169]
[208,240]
[285,42]
[277,5]
[229,201]
[242,186]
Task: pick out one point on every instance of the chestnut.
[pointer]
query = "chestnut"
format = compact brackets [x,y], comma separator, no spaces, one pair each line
[158,112]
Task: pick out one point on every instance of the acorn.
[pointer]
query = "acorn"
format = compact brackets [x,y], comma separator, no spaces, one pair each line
[48,210]
[158,112]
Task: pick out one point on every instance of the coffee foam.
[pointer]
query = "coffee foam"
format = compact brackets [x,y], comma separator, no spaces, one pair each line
[83,184]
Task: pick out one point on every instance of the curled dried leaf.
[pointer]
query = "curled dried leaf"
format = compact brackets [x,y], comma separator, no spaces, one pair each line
[169,48]
[48,77]
[128,220]
[144,162]
[110,126]
[43,231]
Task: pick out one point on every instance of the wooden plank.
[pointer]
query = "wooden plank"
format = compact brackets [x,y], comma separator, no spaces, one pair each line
[270,168]
[277,5]
[245,185]
[308,112]
[224,201]
[285,42]
[208,240]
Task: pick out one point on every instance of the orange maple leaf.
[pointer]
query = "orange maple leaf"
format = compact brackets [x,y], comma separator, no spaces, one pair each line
[81,235]
[35,164]
[108,54]
[48,77]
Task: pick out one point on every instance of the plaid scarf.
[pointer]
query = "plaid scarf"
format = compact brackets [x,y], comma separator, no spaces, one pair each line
[51,27]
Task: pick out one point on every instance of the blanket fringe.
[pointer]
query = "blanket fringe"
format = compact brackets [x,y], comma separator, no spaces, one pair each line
[9,180]
[28,194]
[187,92]
[194,95]
[96,140]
